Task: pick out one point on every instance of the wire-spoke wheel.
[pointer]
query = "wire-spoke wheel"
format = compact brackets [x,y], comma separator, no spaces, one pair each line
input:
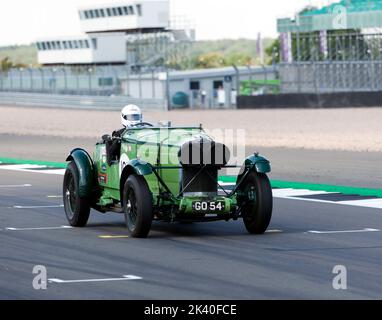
[77,209]
[137,206]
[257,203]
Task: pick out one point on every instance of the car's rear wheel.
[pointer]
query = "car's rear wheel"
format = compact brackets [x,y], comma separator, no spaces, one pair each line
[257,203]
[77,209]
[137,206]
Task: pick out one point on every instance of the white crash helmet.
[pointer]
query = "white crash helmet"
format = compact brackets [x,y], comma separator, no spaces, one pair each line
[131,115]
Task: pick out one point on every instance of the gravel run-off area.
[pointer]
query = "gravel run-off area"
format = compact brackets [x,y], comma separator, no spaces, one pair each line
[317,129]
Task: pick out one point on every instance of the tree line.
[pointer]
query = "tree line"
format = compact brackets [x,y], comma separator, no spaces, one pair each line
[6,64]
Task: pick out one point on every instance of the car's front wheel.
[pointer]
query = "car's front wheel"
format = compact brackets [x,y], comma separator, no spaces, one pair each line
[77,209]
[137,206]
[257,203]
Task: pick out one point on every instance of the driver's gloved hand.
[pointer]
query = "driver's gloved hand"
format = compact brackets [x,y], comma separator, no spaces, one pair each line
[118,134]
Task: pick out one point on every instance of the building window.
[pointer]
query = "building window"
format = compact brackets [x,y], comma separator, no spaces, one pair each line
[87,44]
[102,12]
[58,45]
[94,43]
[194,85]
[70,44]
[120,13]
[65,44]
[139,9]
[96,13]
[86,13]
[109,13]
[125,11]
[105,82]
[131,9]
[115,12]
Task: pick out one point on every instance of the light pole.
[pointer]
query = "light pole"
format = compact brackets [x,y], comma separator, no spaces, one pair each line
[53,81]
[31,77]
[90,70]
[65,79]
[2,75]
[21,78]
[250,78]
[237,78]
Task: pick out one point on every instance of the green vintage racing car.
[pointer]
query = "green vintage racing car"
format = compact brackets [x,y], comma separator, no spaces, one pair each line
[167,174]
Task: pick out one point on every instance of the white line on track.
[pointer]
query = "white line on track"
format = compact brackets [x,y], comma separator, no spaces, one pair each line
[29,168]
[21,166]
[41,228]
[124,278]
[369,203]
[286,193]
[274,231]
[15,186]
[37,207]
[345,231]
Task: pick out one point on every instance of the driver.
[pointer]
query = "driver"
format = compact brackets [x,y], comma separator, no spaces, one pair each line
[131,116]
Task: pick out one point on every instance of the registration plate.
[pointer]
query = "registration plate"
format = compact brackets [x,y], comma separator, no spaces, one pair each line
[208,206]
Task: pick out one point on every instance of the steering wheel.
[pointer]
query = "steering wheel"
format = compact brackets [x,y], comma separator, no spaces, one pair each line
[143,124]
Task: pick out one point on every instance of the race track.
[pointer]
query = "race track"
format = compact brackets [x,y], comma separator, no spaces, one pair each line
[220,260]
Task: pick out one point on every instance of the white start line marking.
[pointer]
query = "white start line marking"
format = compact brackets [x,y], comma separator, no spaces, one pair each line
[16,186]
[124,278]
[345,231]
[37,207]
[41,228]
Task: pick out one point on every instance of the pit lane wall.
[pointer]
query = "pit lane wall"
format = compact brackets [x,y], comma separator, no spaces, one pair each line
[311,100]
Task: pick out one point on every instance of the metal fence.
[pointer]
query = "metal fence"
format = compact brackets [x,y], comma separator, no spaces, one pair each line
[335,46]
[331,76]
[77,101]
[91,80]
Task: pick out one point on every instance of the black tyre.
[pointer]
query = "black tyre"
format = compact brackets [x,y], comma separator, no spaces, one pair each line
[137,206]
[77,209]
[257,213]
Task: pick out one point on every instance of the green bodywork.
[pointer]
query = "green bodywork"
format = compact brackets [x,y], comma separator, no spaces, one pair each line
[154,154]
[85,169]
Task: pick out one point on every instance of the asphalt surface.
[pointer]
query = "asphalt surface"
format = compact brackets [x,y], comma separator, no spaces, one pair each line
[357,169]
[199,261]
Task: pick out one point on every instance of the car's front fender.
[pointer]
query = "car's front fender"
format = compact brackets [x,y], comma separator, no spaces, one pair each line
[140,167]
[85,168]
[137,167]
[254,163]
[258,163]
